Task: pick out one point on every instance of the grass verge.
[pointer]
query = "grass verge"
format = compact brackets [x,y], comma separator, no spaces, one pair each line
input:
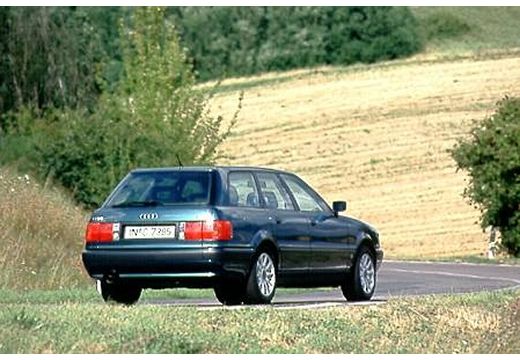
[482,322]
[41,235]
[90,295]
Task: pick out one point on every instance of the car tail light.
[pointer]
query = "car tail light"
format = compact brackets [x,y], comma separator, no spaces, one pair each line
[100,232]
[216,230]
[192,230]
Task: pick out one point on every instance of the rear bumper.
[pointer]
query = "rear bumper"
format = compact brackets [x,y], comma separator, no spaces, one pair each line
[197,267]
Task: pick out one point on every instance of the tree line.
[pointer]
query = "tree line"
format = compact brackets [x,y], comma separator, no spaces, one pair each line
[65,56]
[87,93]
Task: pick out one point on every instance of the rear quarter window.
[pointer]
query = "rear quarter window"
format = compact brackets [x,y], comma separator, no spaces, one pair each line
[242,189]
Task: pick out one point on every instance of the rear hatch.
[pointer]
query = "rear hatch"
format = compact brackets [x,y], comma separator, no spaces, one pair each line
[155,208]
[152,227]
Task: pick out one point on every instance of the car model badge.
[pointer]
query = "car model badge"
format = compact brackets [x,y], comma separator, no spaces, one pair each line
[149,216]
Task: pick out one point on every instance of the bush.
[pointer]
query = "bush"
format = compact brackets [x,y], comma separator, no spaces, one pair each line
[491,155]
[247,40]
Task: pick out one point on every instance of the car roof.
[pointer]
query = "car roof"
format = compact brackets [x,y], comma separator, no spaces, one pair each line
[210,168]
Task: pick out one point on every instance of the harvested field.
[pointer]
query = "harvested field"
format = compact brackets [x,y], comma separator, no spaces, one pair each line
[378,137]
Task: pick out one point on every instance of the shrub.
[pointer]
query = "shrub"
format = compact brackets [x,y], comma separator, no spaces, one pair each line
[491,155]
[154,115]
[369,34]
[241,41]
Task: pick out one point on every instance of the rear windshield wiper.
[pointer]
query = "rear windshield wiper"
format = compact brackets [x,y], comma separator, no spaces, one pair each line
[138,203]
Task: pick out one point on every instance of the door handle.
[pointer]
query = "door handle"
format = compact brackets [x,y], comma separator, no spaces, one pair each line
[313,222]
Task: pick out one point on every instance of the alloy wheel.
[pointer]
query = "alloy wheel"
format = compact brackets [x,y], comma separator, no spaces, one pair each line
[265,274]
[367,273]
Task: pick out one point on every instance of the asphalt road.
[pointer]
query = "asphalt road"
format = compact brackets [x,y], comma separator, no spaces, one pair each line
[396,278]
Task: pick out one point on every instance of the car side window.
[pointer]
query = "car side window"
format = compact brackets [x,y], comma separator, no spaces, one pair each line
[304,198]
[275,195]
[242,189]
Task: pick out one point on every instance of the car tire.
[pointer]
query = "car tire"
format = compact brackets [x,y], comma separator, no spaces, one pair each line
[261,283]
[360,282]
[230,293]
[119,293]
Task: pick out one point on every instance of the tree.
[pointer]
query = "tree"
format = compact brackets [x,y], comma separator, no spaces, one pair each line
[154,115]
[231,41]
[47,58]
[491,155]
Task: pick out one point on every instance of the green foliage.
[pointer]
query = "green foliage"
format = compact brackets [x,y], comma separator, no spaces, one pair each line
[84,103]
[59,57]
[242,41]
[491,155]
[154,115]
[49,55]
[443,25]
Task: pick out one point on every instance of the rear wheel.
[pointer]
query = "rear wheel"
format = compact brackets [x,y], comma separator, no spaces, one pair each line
[230,293]
[360,282]
[261,283]
[119,293]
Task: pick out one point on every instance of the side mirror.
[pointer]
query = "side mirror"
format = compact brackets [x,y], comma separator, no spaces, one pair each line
[339,206]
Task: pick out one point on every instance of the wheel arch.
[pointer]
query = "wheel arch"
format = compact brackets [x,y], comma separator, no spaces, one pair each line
[366,240]
[270,246]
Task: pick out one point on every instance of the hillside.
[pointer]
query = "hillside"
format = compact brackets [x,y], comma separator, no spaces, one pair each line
[374,135]
[41,235]
[481,28]
[378,137]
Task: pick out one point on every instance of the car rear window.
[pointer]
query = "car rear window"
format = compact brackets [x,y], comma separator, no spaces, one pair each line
[162,188]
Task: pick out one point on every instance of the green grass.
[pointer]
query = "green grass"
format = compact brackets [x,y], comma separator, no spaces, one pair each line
[483,322]
[90,295]
[489,28]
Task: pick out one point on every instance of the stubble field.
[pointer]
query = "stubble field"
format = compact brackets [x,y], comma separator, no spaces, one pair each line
[377,136]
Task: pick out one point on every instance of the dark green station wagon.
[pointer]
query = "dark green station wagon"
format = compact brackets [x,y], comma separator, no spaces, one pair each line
[242,231]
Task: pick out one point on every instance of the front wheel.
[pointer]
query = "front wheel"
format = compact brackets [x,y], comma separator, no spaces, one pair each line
[119,293]
[261,284]
[360,282]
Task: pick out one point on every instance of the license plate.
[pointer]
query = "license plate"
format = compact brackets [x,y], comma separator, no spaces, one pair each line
[150,232]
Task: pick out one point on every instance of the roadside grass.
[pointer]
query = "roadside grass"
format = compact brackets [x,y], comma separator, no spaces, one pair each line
[90,295]
[41,235]
[474,323]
